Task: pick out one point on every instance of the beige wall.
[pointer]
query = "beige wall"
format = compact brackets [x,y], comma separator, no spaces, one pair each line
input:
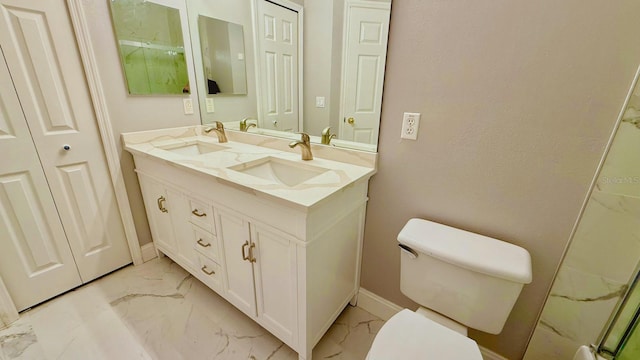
[518,99]
[133,113]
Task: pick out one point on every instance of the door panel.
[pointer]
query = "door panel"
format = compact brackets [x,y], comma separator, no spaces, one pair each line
[365,58]
[40,49]
[81,195]
[33,246]
[278,59]
[234,233]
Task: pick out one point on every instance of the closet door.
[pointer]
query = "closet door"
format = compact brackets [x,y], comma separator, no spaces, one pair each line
[42,56]
[35,259]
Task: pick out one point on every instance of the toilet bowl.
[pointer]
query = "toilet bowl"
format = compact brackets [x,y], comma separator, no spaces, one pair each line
[408,335]
[585,353]
[462,280]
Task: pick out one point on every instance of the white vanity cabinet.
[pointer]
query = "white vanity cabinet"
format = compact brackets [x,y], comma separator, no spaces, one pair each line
[183,228]
[291,268]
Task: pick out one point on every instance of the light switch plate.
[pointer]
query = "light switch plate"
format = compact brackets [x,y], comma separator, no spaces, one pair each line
[188,106]
[320,101]
[209,105]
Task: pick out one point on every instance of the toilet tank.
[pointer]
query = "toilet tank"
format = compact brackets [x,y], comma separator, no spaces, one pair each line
[472,279]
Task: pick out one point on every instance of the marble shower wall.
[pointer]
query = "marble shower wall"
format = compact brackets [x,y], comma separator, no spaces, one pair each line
[603,254]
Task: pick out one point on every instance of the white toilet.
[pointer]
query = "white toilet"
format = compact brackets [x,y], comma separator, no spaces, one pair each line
[462,280]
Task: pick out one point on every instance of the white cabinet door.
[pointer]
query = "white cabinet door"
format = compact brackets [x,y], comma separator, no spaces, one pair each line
[182,229]
[33,245]
[40,49]
[235,237]
[275,279]
[158,207]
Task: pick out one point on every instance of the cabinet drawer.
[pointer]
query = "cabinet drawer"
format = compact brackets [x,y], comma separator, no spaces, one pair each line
[205,243]
[201,214]
[210,273]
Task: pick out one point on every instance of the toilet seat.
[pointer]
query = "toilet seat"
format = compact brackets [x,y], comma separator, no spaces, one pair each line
[408,335]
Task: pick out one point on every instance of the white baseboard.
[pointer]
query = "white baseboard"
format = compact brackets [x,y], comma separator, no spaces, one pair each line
[148,252]
[490,355]
[376,305]
[385,309]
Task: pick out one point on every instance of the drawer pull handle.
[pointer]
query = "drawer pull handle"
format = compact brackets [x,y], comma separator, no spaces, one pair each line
[196,213]
[201,243]
[245,257]
[161,201]
[204,270]
[251,257]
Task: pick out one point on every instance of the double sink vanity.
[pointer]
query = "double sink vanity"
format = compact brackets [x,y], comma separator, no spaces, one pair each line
[277,236]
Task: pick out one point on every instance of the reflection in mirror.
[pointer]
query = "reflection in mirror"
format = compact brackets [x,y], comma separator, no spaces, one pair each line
[151,47]
[310,65]
[222,47]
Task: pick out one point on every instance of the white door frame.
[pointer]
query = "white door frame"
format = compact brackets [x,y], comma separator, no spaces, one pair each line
[256,50]
[8,312]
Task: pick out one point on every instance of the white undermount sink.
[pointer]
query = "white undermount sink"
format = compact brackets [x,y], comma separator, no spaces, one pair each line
[193,148]
[285,172]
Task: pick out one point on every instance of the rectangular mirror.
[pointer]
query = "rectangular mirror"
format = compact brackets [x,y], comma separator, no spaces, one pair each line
[151,47]
[223,56]
[309,65]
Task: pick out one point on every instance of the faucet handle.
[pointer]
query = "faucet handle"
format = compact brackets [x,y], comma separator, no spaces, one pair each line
[304,137]
[219,125]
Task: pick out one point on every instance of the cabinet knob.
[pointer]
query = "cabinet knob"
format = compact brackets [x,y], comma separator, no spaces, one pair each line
[196,213]
[202,243]
[206,271]
[245,257]
[66,147]
[161,207]
[251,257]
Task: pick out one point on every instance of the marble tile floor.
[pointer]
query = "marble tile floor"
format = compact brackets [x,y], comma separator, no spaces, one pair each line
[158,311]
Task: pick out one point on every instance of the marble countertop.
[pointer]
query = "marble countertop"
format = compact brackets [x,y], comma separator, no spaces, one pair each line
[343,167]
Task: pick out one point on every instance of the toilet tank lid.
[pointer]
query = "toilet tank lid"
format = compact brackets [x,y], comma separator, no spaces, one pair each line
[468,250]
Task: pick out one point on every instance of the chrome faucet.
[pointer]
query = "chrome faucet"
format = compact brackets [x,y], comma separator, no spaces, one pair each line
[327,136]
[244,126]
[305,145]
[219,129]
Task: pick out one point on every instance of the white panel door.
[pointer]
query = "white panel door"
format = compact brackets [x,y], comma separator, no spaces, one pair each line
[365,58]
[35,258]
[278,43]
[276,281]
[234,234]
[41,53]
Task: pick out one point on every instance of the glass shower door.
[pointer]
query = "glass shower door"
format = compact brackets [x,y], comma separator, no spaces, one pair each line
[622,338]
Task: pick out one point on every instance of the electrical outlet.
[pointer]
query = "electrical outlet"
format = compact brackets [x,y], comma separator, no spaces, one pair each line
[320,101]
[410,124]
[188,106]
